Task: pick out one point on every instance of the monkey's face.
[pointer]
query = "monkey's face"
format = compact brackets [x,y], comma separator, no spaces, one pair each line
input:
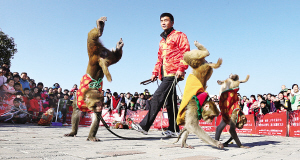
[234,77]
[50,111]
[241,123]
[210,111]
[94,100]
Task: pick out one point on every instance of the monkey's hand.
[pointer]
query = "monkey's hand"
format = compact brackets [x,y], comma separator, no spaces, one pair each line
[246,147]
[219,82]
[100,25]
[120,44]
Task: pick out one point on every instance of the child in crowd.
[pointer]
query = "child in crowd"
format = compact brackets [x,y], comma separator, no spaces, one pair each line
[141,102]
[34,108]
[27,97]
[17,113]
[50,91]
[122,106]
[17,80]
[20,96]
[264,108]
[64,104]
[18,87]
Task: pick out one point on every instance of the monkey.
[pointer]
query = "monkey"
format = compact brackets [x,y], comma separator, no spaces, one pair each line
[231,82]
[230,109]
[89,97]
[46,118]
[194,93]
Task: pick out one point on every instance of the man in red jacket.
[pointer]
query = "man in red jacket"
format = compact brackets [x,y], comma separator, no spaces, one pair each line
[34,107]
[169,65]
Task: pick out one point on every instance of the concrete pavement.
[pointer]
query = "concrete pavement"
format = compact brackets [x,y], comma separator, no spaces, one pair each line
[32,142]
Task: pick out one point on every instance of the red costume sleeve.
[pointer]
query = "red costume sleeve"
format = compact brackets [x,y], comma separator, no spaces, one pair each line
[158,64]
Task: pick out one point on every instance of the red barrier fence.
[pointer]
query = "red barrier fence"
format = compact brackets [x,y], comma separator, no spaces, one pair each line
[272,124]
[294,124]
[279,124]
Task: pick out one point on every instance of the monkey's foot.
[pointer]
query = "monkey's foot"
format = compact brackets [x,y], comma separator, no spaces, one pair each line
[197,44]
[219,82]
[72,134]
[187,146]
[94,139]
[246,147]
[220,145]
[100,25]
[120,44]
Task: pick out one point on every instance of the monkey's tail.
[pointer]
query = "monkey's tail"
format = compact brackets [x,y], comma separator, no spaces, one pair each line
[216,65]
[247,78]
[104,65]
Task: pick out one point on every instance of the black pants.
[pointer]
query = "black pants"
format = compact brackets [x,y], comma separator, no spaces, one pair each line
[64,114]
[157,102]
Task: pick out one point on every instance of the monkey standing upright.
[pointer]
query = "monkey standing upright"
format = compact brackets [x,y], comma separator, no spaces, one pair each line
[89,97]
[230,109]
[196,103]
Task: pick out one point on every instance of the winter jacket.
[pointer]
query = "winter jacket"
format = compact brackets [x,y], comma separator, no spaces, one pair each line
[170,54]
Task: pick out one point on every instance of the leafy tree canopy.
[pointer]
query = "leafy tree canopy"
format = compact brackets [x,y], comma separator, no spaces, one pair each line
[7,48]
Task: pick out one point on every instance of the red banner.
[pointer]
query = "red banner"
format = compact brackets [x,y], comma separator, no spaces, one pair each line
[109,117]
[272,124]
[208,127]
[294,124]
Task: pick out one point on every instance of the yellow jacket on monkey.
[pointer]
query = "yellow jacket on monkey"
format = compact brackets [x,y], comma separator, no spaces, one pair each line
[193,87]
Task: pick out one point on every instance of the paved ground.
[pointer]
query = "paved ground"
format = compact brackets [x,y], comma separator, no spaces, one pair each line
[36,142]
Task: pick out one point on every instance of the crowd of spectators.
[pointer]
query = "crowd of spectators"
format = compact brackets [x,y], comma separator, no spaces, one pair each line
[285,100]
[20,95]
[35,99]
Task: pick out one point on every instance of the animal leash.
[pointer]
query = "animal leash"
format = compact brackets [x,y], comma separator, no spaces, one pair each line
[128,138]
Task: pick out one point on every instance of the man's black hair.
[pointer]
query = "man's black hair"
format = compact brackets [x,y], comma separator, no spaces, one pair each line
[115,94]
[16,76]
[17,84]
[23,73]
[17,100]
[168,15]
[294,85]
[280,92]
[7,81]
[19,93]
[26,89]
[40,83]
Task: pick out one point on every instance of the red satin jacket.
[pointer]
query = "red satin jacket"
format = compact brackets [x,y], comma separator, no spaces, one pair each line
[170,54]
